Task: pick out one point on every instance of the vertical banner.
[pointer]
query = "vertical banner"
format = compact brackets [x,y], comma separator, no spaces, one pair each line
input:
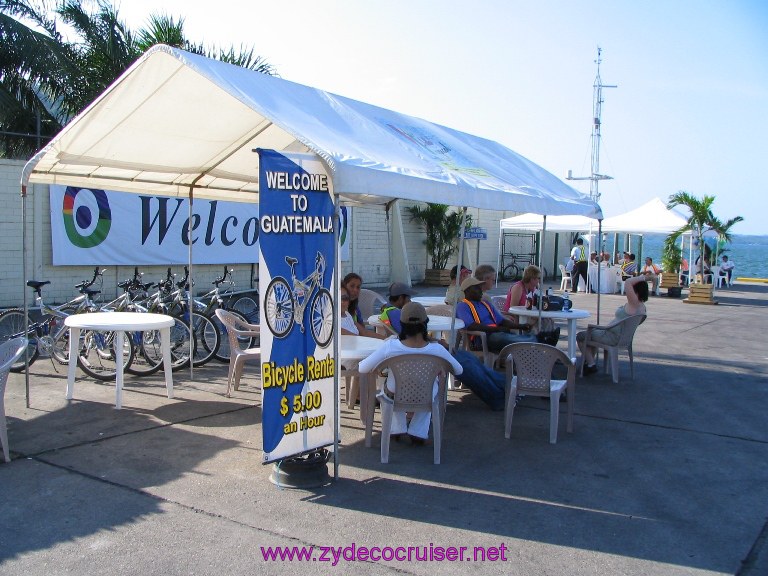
[296,265]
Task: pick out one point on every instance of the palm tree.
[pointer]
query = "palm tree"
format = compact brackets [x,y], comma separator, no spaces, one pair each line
[700,221]
[442,230]
[36,66]
[45,80]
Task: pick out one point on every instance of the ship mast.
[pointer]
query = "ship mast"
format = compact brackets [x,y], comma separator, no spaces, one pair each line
[597,108]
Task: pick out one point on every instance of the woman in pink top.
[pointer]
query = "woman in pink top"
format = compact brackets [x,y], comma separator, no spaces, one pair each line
[517,295]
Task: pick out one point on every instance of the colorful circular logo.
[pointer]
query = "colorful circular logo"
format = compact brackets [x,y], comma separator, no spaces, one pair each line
[87,216]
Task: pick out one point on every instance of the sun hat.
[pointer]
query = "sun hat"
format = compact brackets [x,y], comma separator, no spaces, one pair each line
[413,313]
[471,281]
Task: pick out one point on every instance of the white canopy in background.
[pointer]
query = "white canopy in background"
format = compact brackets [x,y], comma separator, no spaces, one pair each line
[175,120]
[651,218]
[554,223]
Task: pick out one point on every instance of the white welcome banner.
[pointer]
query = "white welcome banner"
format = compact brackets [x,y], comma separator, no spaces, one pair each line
[102,227]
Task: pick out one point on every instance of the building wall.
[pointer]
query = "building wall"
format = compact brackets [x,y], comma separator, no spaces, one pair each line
[369,254]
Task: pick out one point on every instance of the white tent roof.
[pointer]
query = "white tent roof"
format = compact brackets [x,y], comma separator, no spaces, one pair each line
[554,223]
[650,218]
[175,119]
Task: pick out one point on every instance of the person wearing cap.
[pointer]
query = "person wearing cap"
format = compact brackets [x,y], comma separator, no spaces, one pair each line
[481,316]
[413,339]
[399,295]
[450,294]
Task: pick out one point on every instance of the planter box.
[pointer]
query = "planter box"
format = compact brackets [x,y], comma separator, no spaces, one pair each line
[700,294]
[435,277]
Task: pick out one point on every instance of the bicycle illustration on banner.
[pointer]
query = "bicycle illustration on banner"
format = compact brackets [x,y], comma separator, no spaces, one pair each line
[285,306]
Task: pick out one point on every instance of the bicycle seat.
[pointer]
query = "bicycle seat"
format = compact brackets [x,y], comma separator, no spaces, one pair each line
[37,284]
[90,292]
[291,261]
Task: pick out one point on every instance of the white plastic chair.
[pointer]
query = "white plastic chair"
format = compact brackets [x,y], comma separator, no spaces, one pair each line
[238,328]
[370,302]
[414,376]
[529,371]
[566,282]
[10,352]
[628,326]
[723,279]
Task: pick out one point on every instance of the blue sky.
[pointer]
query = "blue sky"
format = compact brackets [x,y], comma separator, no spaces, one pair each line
[690,111]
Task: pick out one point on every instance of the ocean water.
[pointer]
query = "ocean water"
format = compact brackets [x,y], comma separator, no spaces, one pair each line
[750,253]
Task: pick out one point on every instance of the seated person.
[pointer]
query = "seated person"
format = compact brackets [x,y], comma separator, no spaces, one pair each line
[651,272]
[487,274]
[726,268]
[351,284]
[636,291]
[399,295]
[684,271]
[348,323]
[707,271]
[629,268]
[450,294]
[482,316]
[605,260]
[413,339]
[593,261]
[517,294]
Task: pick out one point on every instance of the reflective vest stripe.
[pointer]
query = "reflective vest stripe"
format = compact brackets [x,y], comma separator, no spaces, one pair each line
[474,312]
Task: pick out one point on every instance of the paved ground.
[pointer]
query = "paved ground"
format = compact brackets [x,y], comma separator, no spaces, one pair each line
[666,474]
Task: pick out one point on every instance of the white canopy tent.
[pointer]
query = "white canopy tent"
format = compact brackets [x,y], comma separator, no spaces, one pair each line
[176,122]
[554,223]
[653,217]
[179,124]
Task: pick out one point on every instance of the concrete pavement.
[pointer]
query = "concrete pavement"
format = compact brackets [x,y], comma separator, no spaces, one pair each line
[664,474]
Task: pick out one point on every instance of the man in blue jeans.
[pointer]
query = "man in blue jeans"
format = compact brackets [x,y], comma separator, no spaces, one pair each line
[481,316]
[488,384]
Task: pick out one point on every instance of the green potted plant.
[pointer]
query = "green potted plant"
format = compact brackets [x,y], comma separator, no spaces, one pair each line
[671,259]
[442,228]
[700,220]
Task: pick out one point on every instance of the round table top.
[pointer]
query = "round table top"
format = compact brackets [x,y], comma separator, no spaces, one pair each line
[559,314]
[428,301]
[435,324]
[119,321]
[357,347]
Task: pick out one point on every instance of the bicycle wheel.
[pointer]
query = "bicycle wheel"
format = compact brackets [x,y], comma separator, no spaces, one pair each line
[147,353]
[321,317]
[223,353]
[12,326]
[97,357]
[58,345]
[279,306]
[247,307]
[206,339]
[510,273]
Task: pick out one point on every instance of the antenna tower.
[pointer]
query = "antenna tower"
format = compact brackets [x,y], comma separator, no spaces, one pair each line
[597,107]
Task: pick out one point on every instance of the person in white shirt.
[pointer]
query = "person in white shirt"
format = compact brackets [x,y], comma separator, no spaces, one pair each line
[413,339]
[580,258]
[726,269]
[651,272]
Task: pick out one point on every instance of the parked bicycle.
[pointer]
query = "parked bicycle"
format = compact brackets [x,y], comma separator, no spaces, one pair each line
[215,298]
[96,354]
[285,305]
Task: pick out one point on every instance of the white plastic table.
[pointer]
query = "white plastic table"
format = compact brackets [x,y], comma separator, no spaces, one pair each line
[607,280]
[428,301]
[119,322]
[356,348]
[571,316]
[435,324]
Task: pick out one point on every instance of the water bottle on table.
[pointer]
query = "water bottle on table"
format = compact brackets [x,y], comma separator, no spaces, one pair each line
[566,302]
